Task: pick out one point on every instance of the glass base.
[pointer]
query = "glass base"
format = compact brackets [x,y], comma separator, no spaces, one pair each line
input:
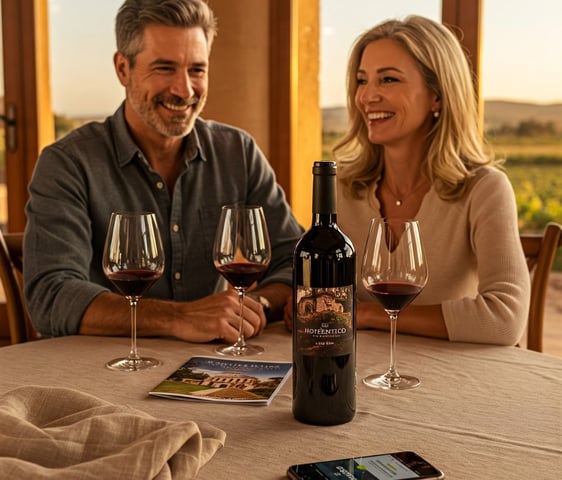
[132,365]
[391,382]
[236,351]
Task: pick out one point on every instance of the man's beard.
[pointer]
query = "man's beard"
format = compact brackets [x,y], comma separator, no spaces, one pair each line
[179,125]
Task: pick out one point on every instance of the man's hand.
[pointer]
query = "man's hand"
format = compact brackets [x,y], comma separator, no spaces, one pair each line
[216,317]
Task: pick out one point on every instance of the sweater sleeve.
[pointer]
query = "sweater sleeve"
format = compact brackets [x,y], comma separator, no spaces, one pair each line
[498,313]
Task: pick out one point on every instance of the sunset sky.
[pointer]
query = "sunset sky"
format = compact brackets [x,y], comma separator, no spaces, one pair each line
[521,56]
[522,44]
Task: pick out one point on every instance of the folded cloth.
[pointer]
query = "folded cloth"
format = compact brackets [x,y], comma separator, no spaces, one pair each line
[50,432]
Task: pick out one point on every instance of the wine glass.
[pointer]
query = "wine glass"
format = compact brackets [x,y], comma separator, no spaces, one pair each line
[242,253]
[133,260]
[394,271]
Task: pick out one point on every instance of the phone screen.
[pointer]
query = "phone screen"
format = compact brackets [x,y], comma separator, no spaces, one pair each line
[389,466]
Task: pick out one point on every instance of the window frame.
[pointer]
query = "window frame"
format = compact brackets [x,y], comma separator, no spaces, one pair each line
[27,90]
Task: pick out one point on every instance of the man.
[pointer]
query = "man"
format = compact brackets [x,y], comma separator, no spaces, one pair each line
[154,154]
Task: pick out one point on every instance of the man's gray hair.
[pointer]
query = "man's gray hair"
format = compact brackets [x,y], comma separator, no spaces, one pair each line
[135,15]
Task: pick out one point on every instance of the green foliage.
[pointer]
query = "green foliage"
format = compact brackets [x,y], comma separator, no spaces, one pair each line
[538,192]
[530,128]
[63,125]
[534,167]
[328,141]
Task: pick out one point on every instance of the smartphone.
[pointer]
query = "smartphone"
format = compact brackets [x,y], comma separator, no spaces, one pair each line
[387,466]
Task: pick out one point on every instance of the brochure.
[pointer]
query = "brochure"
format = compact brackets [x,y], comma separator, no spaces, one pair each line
[226,380]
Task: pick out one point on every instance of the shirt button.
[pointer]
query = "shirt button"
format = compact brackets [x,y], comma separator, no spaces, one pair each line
[176,228]
[159,185]
[177,276]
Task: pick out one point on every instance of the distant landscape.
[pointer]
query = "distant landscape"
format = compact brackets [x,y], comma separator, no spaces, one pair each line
[528,137]
[496,114]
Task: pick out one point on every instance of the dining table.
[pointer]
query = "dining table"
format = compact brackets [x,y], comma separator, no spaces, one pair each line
[480,412]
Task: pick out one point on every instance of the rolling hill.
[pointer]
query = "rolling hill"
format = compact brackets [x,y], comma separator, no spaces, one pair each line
[496,113]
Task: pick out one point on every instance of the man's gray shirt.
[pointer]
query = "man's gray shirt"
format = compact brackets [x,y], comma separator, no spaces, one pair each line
[97,169]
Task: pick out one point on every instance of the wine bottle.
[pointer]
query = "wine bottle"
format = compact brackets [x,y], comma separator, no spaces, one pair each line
[324,312]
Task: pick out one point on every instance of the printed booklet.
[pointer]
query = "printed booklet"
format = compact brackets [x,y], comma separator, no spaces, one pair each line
[227,380]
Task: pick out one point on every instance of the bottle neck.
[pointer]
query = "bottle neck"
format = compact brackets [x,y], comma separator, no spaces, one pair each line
[324,199]
[324,219]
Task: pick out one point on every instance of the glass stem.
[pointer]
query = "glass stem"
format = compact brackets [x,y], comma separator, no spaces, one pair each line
[133,355]
[392,373]
[241,342]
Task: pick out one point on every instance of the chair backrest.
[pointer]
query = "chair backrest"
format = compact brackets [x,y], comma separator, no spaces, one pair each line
[11,276]
[540,251]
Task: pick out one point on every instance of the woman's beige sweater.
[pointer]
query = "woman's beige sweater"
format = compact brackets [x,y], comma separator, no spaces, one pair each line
[477,269]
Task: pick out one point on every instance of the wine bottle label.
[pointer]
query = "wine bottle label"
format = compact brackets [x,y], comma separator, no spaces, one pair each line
[324,320]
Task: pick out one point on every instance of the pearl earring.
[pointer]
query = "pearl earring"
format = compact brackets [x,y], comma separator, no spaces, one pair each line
[436,114]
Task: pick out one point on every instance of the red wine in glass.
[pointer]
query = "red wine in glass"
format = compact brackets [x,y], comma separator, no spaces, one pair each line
[394,295]
[242,275]
[242,253]
[394,272]
[133,260]
[133,282]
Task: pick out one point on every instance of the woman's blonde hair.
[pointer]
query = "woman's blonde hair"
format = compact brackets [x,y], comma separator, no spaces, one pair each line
[454,147]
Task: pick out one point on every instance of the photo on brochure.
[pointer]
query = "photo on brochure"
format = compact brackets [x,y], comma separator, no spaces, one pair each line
[225,380]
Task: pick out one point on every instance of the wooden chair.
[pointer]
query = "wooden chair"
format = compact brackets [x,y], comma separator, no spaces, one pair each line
[540,251]
[11,265]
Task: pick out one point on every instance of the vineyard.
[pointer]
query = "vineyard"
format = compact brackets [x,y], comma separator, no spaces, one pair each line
[534,167]
[538,191]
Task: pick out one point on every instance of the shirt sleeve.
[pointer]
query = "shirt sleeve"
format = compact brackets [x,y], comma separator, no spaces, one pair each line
[498,313]
[57,246]
[79,180]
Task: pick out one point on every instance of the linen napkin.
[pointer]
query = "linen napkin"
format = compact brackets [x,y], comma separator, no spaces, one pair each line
[51,432]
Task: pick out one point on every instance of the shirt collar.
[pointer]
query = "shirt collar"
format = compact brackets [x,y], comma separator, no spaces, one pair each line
[128,150]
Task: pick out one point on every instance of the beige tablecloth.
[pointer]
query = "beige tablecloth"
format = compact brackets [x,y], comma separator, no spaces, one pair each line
[482,411]
[60,433]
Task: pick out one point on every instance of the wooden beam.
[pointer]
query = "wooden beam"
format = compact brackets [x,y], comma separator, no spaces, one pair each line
[296,122]
[267,84]
[464,17]
[27,92]
[280,86]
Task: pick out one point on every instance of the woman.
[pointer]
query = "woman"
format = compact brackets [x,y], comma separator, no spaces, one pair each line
[413,150]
